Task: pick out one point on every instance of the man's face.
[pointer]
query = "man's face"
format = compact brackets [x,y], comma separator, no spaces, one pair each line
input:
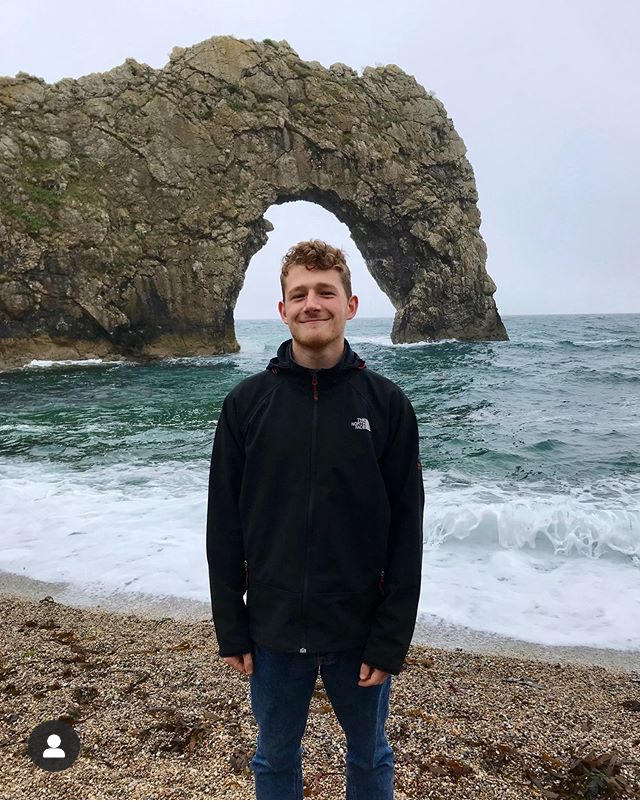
[316,307]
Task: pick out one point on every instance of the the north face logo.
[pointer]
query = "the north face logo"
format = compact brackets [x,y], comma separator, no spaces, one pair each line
[361,423]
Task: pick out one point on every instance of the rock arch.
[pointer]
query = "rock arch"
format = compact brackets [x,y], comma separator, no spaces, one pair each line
[133,200]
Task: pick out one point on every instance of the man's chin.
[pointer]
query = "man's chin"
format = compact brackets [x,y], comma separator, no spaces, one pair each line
[313,342]
[312,338]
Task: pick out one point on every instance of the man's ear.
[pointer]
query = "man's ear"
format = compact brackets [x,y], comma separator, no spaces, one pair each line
[352,306]
[283,316]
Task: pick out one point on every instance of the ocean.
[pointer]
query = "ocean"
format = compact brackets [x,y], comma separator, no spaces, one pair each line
[531,463]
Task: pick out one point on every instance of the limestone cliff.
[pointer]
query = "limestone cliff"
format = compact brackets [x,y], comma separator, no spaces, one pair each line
[132,201]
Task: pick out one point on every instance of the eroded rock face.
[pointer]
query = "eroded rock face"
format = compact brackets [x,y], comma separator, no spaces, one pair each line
[132,201]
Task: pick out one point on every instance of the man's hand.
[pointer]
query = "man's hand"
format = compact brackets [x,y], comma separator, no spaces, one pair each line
[371,676]
[243,663]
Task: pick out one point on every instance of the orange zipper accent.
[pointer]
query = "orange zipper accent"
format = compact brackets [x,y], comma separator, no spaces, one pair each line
[314,382]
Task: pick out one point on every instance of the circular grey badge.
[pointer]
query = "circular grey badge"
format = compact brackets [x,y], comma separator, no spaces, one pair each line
[54,745]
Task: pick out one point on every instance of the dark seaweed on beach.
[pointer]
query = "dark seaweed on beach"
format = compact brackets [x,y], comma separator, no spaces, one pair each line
[49,624]
[443,764]
[141,676]
[72,715]
[66,638]
[180,647]
[589,777]
[184,732]
[84,694]
[240,761]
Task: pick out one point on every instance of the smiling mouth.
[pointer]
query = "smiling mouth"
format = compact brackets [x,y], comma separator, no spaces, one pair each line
[317,320]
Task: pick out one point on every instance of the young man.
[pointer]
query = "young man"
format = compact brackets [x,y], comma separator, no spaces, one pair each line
[315,511]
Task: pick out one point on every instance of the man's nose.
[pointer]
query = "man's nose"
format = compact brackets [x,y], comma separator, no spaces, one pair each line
[312,301]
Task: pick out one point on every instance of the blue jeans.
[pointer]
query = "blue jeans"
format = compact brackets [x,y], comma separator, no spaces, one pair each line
[281,688]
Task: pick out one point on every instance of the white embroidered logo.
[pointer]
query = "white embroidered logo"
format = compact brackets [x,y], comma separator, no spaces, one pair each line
[361,423]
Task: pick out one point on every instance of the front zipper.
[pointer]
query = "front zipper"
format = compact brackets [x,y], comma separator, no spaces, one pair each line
[381,583]
[246,575]
[314,419]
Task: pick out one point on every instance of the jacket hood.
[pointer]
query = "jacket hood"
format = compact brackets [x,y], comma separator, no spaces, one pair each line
[284,362]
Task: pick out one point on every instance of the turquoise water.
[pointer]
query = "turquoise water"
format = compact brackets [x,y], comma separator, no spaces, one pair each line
[530,452]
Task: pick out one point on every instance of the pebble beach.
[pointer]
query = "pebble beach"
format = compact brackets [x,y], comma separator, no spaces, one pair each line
[159,715]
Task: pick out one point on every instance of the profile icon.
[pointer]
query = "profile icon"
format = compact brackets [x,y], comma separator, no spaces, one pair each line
[54,750]
[54,745]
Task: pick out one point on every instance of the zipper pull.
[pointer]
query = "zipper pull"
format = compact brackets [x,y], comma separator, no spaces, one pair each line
[246,574]
[314,382]
[381,583]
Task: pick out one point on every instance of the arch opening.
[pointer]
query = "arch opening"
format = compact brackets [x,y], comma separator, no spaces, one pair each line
[293,221]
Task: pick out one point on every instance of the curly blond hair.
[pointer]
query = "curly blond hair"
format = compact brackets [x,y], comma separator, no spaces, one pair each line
[315,254]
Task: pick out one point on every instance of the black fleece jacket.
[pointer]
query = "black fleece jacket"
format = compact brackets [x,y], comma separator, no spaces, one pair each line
[315,511]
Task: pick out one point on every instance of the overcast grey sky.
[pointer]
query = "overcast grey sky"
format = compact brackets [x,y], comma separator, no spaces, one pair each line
[545,96]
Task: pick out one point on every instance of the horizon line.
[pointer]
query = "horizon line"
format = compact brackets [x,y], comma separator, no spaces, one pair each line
[502,315]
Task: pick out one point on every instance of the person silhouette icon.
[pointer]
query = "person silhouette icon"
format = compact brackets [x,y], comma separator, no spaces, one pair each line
[54,742]
[63,745]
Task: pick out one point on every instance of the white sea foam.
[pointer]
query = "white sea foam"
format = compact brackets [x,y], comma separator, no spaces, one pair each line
[52,363]
[536,562]
[386,341]
[530,561]
[590,521]
[121,527]
[595,342]
[528,595]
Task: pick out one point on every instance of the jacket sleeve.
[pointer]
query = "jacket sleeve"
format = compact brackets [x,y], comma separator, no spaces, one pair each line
[395,617]
[225,552]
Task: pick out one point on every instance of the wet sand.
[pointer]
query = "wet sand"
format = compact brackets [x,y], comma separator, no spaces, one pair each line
[427,632]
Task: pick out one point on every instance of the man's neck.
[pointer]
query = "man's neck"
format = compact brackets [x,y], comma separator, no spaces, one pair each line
[317,359]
